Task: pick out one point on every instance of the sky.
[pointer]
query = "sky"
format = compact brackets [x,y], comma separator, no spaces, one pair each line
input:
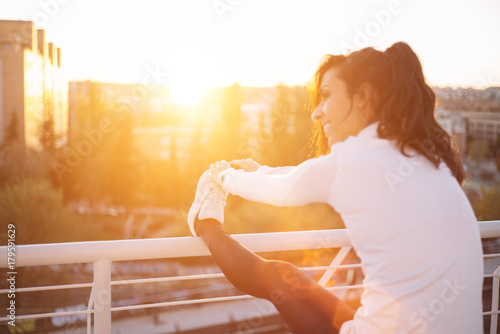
[207,43]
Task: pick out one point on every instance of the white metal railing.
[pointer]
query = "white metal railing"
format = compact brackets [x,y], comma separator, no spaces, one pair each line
[103,253]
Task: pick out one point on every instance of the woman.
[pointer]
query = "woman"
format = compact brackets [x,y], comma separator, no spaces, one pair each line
[389,170]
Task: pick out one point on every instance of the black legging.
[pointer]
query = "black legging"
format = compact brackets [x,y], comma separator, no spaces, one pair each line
[306,306]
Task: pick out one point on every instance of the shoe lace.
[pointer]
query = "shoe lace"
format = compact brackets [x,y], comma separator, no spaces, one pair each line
[215,193]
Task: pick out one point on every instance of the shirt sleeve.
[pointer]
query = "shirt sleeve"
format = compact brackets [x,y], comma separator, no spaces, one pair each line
[309,182]
[275,170]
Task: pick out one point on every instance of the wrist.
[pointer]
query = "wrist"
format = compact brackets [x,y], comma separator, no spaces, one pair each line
[222,175]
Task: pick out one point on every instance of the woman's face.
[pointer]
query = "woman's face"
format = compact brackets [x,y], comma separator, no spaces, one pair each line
[340,114]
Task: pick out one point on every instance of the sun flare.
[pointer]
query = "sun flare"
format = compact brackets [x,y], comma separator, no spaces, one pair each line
[187,93]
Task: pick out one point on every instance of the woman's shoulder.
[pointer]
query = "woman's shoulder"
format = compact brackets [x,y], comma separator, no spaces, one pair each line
[353,145]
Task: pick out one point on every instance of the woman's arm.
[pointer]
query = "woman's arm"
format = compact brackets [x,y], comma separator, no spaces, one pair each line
[250,165]
[275,170]
[309,182]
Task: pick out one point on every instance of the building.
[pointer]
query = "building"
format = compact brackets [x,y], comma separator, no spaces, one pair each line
[470,125]
[455,125]
[483,125]
[33,86]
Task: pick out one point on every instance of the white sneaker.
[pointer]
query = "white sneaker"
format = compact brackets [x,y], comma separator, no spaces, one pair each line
[209,201]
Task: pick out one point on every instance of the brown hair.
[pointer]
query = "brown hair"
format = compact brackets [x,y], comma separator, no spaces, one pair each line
[402,102]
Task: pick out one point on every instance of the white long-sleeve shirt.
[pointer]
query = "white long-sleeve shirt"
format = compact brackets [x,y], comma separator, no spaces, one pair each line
[409,222]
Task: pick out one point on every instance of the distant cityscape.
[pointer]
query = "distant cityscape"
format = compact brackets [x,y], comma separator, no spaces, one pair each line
[34,91]
[34,88]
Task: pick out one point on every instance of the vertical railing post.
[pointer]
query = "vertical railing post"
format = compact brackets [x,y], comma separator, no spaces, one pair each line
[89,311]
[102,297]
[494,302]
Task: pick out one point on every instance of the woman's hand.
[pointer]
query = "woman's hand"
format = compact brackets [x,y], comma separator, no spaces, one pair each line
[248,165]
[219,170]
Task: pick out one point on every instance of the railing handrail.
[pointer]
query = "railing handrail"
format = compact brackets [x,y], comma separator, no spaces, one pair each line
[177,247]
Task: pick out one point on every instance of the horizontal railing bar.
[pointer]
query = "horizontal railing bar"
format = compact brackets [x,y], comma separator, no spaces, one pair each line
[342,266]
[489,229]
[486,256]
[153,280]
[167,279]
[164,279]
[208,276]
[163,304]
[214,299]
[345,287]
[141,249]
[50,287]
[132,307]
[181,302]
[45,315]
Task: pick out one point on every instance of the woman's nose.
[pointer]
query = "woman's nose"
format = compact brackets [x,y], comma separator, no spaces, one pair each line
[317,114]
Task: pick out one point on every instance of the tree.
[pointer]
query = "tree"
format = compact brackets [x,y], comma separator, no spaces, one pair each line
[478,150]
[487,207]
[303,125]
[36,208]
[286,138]
[122,161]
[48,137]
[12,134]
[89,168]
[18,162]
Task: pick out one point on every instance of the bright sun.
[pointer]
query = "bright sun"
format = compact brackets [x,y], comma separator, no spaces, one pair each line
[187,93]
[190,81]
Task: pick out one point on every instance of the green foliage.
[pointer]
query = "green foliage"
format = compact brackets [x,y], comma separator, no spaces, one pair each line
[12,134]
[284,141]
[487,207]
[101,163]
[478,150]
[18,162]
[48,138]
[37,210]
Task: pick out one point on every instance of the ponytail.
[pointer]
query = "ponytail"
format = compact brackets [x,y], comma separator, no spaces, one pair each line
[408,113]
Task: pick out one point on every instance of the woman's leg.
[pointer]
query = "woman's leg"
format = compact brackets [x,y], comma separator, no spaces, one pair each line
[306,306]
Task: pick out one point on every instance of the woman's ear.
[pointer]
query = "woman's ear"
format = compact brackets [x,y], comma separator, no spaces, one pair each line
[364,96]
